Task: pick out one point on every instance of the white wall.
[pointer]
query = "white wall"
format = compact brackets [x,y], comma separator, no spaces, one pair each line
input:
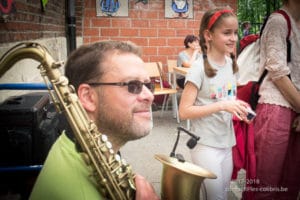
[25,70]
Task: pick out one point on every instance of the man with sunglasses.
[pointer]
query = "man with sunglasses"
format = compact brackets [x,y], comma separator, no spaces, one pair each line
[116,92]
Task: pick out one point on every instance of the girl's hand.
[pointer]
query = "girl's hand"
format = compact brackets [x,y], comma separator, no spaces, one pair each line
[238,108]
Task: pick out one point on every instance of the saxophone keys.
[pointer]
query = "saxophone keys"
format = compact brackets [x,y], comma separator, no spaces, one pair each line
[104,138]
[114,160]
[57,64]
[103,144]
[117,157]
[62,80]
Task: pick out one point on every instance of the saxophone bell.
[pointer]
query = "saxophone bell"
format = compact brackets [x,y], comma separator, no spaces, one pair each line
[181,180]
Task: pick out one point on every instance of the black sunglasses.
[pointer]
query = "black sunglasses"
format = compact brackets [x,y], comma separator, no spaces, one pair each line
[134,87]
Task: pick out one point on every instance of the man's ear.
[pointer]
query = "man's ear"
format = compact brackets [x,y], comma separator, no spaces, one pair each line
[87,96]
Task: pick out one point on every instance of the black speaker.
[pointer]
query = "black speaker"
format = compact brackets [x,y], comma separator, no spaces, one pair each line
[28,128]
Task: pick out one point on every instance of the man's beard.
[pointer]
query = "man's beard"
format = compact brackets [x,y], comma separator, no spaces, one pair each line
[121,126]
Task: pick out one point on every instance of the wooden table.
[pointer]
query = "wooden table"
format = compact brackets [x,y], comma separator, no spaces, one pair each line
[180,70]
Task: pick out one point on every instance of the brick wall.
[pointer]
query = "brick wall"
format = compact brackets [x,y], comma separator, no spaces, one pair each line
[160,38]
[30,22]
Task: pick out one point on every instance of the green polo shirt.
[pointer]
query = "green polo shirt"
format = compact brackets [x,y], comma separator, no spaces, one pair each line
[65,175]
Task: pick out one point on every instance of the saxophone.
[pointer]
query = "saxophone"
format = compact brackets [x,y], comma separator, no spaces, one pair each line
[114,177]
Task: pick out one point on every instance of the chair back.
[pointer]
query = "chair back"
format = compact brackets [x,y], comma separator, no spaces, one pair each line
[171,64]
[155,71]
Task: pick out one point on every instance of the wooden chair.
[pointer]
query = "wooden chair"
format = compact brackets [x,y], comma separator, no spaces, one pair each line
[155,71]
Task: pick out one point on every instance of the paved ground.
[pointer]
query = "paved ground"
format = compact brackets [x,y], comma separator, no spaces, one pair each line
[140,154]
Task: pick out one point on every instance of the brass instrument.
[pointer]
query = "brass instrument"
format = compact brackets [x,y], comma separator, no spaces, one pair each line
[114,177]
[181,180]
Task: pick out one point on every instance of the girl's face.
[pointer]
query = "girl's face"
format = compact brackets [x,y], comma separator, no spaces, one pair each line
[223,38]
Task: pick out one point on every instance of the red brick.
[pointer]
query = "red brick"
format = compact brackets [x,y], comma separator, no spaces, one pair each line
[157,42]
[158,23]
[109,32]
[166,51]
[149,15]
[128,32]
[175,42]
[101,22]
[148,32]
[177,23]
[139,41]
[138,23]
[120,23]
[167,32]
[181,33]
[91,32]
[150,50]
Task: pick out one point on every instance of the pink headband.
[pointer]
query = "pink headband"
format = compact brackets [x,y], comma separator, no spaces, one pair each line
[215,16]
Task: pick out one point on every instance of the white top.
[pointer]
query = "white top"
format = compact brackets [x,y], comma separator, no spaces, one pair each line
[184,57]
[215,130]
[273,58]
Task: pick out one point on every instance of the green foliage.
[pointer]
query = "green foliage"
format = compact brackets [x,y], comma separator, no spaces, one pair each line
[255,11]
